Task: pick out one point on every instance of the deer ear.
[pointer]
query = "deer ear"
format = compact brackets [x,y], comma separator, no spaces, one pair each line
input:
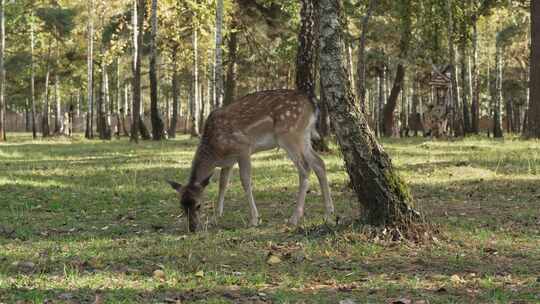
[176,186]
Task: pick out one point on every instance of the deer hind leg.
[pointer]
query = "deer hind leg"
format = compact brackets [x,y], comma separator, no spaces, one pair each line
[224,177]
[295,152]
[318,166]
[245,176]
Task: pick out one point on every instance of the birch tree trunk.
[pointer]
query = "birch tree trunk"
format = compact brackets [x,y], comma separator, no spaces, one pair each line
[497,111]
[57,107]
[138,15]
[194,100]
[465,103]
[218,68]
[475,88]
[45,131]
[382,193]
[453,72]
[158,128]
[90,72]
[175,97]
[32,77]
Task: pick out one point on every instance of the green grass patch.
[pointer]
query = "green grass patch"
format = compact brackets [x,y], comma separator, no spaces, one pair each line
[84,219]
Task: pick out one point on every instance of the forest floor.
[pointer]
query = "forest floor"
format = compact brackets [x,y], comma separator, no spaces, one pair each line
[94,222]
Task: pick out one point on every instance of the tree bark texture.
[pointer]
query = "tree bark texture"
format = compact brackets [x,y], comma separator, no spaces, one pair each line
[90,72]
[533,121]
[194,100]
[138,17]
[158,128]
[230,82]
[381,192]
[218,68]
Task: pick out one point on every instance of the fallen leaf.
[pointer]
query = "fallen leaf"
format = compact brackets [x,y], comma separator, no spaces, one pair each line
[159,274]
[98,299]
[273,260]
[199,274]
[456,279]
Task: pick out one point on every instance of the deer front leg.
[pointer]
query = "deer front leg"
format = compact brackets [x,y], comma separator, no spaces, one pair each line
[245,176]
[303,185]
[224,177]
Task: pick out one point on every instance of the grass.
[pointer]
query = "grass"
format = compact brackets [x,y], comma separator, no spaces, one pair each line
[90,221]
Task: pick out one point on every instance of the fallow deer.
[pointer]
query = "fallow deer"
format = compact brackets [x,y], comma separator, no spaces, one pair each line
[257,122]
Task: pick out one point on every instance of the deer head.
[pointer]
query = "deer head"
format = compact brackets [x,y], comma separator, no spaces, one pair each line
[190,196]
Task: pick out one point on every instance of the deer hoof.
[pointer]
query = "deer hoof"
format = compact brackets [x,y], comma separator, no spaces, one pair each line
[293,220]
[254,222]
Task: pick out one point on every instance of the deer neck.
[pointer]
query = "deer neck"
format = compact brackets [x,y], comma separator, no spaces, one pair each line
[203,165]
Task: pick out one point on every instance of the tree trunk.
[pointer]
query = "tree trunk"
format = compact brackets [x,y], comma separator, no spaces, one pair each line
[388,115]
[465,103]
[218,68]
[453,72]
[45,131]
[194,100]
[158,128]
[2,74]
[33,78]
[533,121]
[475,90]
[305,57]
[90,69]
[104,104]
[138,17]
[57,108]
[230,85]
[390,107]
[497,111]
[175,97]
[361,68]
[383,195]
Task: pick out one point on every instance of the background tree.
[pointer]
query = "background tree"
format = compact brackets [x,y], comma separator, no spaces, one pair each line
[158,128]
[533,125]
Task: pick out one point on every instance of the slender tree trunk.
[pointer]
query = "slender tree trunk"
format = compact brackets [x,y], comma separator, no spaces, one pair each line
[475,89]
[361,67]
[45,131]
[90,70]
[230,85]
[57,107]
[305,66]
[453,72]
[138,17]
[3,136]
[218,68]
[533,122]
[194,101]
[175,97]
[389,128]
[497,111]
[32,77]
[105,101]
[383,195]
[465,103]
[158,128]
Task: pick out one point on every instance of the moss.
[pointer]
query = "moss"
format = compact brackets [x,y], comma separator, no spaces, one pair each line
[398,186]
